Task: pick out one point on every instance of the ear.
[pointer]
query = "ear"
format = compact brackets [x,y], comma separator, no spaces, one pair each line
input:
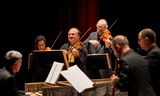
[118,47]
[146,38]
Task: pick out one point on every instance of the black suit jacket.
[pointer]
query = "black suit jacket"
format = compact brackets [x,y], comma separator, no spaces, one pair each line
[134,75]
[153,57]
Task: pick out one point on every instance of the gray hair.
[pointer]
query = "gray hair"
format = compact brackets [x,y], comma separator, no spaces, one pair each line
[13,54]
[102,21]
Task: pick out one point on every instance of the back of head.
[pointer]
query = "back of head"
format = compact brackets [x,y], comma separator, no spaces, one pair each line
[120,40]
[11,57]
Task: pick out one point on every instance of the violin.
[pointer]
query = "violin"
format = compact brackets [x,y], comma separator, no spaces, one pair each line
[107,38]
[78,46]
[47,49]
[74,50]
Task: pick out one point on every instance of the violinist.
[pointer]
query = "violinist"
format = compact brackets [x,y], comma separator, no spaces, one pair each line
[77,53]
[40,43]
[99,42]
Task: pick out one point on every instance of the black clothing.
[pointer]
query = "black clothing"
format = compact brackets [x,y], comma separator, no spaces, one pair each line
[7,83]
[134,75]
[153,57]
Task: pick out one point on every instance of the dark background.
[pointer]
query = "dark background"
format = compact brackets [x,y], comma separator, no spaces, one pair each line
[21,22]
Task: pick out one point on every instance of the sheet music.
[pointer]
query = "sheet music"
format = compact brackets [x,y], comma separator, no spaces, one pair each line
[54,72]
[77,78]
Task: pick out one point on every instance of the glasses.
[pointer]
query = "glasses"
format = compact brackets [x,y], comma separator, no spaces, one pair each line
[140,39]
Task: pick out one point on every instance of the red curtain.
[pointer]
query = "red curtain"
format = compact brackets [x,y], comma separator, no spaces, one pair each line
[88,15]
[82,14]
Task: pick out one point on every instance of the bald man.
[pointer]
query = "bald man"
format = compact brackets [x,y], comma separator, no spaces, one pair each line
[133,76]
[147,42]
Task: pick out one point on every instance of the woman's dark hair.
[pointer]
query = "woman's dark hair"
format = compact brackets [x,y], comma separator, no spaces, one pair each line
[39,38]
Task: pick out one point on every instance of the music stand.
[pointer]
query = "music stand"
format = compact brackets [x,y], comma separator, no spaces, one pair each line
[41,63]
[98,66]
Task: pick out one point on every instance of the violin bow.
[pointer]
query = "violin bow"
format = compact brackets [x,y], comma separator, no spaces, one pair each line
[56,39]
[85,33]
[113,24]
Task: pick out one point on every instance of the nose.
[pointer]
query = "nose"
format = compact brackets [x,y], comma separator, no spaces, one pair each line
[139,41]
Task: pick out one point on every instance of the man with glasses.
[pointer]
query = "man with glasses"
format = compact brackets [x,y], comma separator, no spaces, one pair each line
[147,42]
